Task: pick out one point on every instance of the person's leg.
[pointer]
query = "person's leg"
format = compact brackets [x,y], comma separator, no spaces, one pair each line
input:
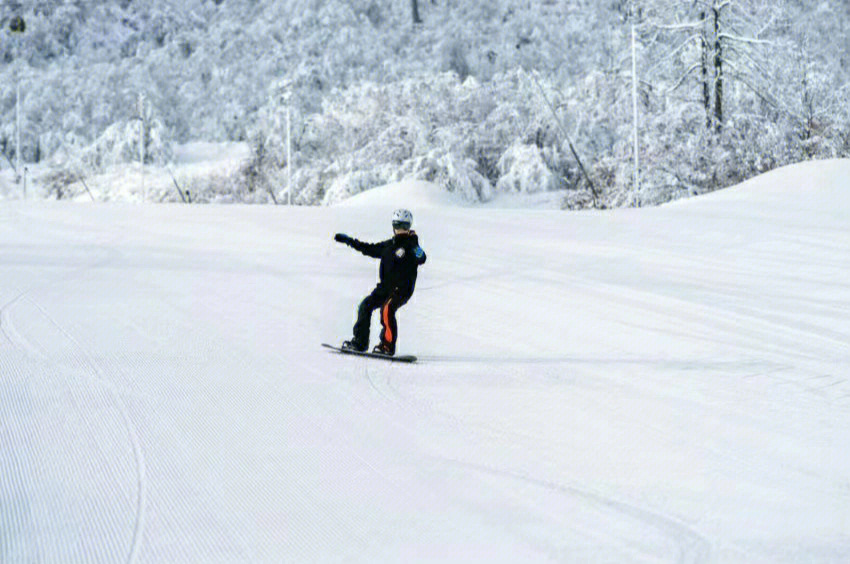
[389,334]
[364,317]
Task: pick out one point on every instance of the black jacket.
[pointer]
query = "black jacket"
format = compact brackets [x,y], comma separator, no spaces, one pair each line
[400,258]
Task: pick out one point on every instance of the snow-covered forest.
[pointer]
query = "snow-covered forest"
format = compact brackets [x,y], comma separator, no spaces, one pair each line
[480,97]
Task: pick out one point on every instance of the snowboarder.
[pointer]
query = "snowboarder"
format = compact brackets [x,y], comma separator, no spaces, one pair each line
[400,259]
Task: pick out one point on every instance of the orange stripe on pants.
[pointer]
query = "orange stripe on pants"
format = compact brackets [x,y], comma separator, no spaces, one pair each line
[388,332]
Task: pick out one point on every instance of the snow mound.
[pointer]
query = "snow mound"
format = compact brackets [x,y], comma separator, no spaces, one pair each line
[405,194]
[808,184]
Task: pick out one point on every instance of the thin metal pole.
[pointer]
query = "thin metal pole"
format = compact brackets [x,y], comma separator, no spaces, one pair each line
[83,181]
[18,124]
[142,142]
[18,27]
[288,157]
[177,186]
[635,107]
[566,135]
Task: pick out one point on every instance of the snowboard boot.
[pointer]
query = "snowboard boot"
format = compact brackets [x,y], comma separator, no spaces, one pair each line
[353,345]
[382,349]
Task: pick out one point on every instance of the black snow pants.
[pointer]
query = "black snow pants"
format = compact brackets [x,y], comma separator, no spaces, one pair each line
[388,301]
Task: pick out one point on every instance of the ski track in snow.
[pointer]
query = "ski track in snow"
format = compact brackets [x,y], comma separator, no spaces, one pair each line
[84,396]
[664,385]
[693,547]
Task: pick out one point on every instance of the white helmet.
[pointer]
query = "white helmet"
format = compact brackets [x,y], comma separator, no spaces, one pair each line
[402,219]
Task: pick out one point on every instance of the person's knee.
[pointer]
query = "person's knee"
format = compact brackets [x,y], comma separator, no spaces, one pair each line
[368,303]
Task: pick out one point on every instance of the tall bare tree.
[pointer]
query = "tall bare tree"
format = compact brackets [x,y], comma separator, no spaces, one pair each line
[724,42]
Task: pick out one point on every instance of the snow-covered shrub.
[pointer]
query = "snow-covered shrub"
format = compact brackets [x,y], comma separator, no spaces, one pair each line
[521,169]
[433,127]
[310,185]
[62,184]
[460,175]
[220,188]
[577,200]
[121,143]
[350,184]
[454,173]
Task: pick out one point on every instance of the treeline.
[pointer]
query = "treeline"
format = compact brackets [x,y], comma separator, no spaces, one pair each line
[478,96]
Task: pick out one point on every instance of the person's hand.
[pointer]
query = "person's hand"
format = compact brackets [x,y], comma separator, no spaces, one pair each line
[342,238]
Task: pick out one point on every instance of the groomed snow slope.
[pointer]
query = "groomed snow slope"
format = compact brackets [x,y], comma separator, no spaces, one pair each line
[656,385]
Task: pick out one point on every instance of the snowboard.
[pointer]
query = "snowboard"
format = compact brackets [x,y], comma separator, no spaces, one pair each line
[398,358]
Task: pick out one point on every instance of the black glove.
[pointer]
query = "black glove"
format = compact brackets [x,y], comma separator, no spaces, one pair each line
[342,238]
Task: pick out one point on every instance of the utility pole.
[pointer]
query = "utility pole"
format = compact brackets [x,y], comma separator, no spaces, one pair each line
[288,155]
[18,127]
[142,142]
[17,26]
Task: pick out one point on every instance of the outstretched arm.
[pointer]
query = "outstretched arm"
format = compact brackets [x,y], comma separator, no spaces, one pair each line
[373,250]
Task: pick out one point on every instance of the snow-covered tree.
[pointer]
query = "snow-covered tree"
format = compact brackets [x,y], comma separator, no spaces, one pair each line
[727,88]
